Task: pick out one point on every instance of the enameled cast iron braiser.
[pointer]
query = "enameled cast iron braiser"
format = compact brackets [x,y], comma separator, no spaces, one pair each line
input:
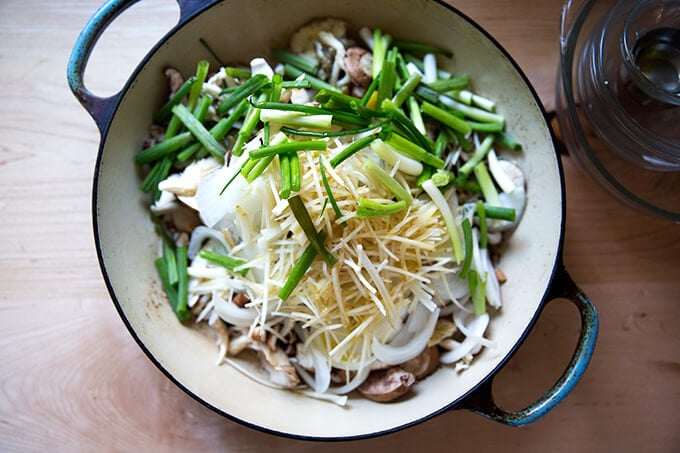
[126,243]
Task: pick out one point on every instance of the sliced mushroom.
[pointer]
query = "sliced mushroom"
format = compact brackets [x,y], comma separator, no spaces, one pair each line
[358,62]
[240,299]
[175,79]
[277,364]
[387,385]
[500,275]
[155,136]
[424,364]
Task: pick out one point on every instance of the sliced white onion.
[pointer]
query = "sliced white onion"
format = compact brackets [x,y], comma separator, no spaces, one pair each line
[449,286]
[460,319]
[477,326]
[313,359]
[340,400]
[212,207]
[232,313]
[353,383]
[394,355]
[501,177]
[200,234]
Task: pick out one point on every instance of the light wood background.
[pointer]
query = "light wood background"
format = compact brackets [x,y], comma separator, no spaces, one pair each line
[72,379]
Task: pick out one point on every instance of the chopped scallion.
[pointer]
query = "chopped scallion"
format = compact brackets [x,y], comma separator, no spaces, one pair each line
[289,147]
[295,60]
[507,141]
[181,309]
[467,241]
[248,88]
[301,214]
[414,151]
[368,208]
[485,182]
[226,261]
[329,193]
[301,265]
[455,83]
[383,178]
[445,117]
[479,154]
[165,112]
[201,73]
[411,46]
[199,131]
[167,146]
[500,212]
[351,149]
[481,212]
[284,166]
[317,84]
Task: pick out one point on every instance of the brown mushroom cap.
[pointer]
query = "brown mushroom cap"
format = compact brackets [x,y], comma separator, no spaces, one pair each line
[355,68]
[387,385]
[424,364]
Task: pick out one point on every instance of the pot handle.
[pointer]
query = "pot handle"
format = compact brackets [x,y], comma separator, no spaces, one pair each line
[101,108]
[481,400]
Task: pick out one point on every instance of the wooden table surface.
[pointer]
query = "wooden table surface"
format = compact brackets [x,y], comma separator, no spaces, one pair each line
[72,378]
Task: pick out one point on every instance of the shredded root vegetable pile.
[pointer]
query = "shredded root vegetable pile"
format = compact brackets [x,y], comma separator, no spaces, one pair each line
[384,270]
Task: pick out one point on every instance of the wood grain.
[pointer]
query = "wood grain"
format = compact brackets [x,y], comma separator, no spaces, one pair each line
[72,379]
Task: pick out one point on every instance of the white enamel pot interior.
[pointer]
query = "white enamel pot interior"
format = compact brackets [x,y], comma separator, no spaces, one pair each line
[127,244]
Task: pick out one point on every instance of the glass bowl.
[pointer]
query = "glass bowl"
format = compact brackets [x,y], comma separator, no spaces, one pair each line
[618,98]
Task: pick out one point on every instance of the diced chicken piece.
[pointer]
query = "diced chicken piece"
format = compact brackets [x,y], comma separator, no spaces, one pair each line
[186,183]
[276,362]
[303,40]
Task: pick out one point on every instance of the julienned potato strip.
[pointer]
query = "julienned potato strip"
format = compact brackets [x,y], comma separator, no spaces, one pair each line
[337,222]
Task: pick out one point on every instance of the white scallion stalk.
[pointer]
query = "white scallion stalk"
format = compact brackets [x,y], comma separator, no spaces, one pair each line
[463,96]
[298,119]
[483,103]
[472,112]
[413,69]
[406,164]
[439,201]
[429,68]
